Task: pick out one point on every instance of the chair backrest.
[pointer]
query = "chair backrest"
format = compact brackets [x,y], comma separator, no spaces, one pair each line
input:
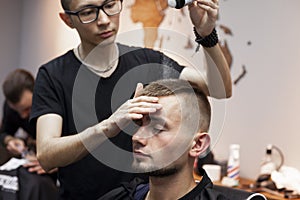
[237,194]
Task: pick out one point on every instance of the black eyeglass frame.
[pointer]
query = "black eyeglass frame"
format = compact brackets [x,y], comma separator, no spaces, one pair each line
[101,7]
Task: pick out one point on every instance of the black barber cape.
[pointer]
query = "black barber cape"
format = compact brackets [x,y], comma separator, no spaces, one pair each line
[137,190]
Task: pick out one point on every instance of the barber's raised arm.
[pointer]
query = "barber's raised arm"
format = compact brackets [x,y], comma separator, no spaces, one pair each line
[217,83]
[218,73]
[203,14]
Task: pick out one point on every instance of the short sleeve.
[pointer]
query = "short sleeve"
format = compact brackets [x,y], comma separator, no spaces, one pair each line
[173,69]
[46,96]
[159,66]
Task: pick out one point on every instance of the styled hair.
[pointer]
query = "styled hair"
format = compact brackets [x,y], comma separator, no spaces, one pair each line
[65,4]
[16,83]
[179,87]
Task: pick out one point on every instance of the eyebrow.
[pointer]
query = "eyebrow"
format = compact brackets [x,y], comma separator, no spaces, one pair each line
[155,118]
[158,120]
[150,119]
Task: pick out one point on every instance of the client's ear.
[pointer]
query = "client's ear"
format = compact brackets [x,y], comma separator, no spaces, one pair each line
[200,144]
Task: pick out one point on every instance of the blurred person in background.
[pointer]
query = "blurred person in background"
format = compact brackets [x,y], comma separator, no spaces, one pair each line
[34,182]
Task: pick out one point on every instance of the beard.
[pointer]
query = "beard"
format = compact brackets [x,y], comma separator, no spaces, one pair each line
[155,171]
[164,172]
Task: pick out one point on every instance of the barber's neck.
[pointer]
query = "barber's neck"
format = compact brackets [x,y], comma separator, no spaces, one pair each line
[101,55]
[171,187]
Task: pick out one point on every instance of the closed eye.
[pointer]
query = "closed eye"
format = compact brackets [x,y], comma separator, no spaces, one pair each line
[138,122]
[158,128]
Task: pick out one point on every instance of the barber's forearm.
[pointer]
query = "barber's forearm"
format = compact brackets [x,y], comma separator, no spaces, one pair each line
[59,152]
[63,151]
[218,73]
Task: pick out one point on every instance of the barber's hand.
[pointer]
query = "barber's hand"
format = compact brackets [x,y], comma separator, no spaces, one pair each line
[15,146]
[204,14]
[133,109]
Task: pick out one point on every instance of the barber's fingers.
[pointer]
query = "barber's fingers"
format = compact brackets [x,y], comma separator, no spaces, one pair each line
[144,104]
[138,88]
[145,99]
[144,110]
[216,2]
[137,107]
[207,4]
[134,109]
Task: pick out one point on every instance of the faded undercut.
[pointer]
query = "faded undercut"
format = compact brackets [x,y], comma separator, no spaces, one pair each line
[183,89]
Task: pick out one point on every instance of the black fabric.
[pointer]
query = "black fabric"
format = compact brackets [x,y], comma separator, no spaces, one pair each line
[233,193]
[11,122]
[127,191]
[36,187]
[204,190]
[136,190]
[63,86]
[19,184]
[9,185]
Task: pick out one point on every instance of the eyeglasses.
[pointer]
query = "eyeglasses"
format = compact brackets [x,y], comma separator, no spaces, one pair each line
[90,13]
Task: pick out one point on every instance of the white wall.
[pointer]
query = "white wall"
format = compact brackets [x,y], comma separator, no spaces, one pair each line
[265,104]
[10,15]
[264,107]
[44,36]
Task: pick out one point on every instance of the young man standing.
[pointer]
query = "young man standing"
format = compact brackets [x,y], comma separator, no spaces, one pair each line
[80,102]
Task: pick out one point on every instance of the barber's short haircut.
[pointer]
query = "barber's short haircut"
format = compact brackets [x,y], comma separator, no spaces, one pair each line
[179,87]
[65,4]
[16,83]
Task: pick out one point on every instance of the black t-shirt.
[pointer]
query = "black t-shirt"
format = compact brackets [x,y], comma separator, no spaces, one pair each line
[66,87]
[203,191]
[11,122]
